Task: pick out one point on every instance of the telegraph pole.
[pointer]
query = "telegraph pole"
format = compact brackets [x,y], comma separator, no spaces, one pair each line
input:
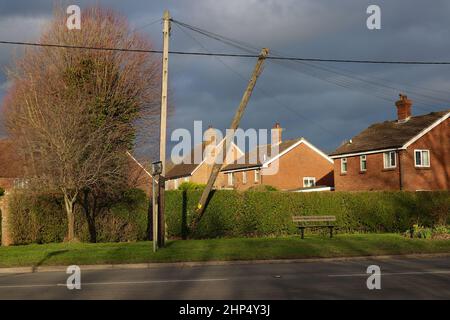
[159,228]
[164,88]
[234,125]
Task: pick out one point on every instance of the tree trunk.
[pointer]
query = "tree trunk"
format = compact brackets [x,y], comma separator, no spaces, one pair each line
[90,211]
[69,204]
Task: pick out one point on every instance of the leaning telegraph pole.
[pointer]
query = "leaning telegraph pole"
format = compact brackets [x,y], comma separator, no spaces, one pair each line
[234,125]
[164,89]
[159,230]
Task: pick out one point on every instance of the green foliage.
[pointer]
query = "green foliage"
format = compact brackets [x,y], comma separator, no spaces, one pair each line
[246,214]
[442,230]
[262,187]
[41,219]
[421,232]
[185,186]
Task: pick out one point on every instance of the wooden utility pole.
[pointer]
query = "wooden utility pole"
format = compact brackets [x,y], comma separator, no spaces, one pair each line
[234,125]
[159,227]
[164,88]
[154,214]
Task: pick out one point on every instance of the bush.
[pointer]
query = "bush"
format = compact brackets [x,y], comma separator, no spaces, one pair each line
[262,187]
[185,186]
[245,214]
[41,219]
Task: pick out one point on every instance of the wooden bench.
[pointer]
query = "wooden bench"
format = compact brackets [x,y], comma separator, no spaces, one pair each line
[304,222]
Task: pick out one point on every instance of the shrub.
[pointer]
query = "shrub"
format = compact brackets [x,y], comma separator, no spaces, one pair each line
[262,188]
[42,219]
[232,214]
[243,214]
[185,186]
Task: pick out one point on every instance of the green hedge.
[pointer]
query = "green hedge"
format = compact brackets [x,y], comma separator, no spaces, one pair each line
[235,214]
[41,219]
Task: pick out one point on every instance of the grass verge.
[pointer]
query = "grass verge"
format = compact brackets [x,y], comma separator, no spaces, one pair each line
[314,246]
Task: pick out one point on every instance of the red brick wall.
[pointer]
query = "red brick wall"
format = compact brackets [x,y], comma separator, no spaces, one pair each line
[437,177]
[298,163]
[6,183]
[375,178]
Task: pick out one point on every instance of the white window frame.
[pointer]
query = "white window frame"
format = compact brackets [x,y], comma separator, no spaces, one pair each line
[421,165]
[257,176]
[344,161]
[231,178]
[388,155]
[244,177]
[362,158]
[305,179]
[175,184]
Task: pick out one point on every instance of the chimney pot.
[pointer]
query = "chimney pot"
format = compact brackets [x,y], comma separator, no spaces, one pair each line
[403,108]
[276,138]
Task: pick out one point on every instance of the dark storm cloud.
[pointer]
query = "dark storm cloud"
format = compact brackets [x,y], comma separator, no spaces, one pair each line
[302,99]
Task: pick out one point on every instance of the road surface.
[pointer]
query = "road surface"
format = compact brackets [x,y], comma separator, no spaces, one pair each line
[401,278]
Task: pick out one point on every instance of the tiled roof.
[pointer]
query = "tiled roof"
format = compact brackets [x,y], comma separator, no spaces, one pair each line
[389,134]
[252,158]
[187,167]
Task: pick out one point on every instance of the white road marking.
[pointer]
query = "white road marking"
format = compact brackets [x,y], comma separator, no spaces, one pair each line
[109,283]
[143,282]
[393,273]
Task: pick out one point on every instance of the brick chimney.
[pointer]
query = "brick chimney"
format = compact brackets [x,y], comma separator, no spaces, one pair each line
[403,108]
[276,134]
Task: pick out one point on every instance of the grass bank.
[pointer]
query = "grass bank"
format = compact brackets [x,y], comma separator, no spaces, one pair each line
[314,246]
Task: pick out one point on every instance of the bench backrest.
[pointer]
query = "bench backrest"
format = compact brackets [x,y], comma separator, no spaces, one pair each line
[313,218]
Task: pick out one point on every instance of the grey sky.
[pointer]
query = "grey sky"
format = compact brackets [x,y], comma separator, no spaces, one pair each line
[307,101]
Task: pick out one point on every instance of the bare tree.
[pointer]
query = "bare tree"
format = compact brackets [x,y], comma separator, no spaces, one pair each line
[74,112]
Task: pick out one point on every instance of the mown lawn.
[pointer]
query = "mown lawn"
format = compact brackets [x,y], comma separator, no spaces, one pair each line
[313,246]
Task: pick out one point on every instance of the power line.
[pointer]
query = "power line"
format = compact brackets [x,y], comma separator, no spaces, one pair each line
[231,55]
[265,93]
[333,76]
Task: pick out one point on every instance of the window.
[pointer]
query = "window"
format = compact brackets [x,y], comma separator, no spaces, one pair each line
[344,165]
[309,182]
[20,183]
[422,158]
[175,184]
[363,163]
[257,176]
[231,179]
[244,177]
[390,159]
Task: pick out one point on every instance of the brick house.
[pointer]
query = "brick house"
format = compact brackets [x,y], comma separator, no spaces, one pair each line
[410,153]
[198,170]
[301,167]
[11,166]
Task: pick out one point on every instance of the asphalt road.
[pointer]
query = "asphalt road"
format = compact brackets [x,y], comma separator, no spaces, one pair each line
[405,278]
